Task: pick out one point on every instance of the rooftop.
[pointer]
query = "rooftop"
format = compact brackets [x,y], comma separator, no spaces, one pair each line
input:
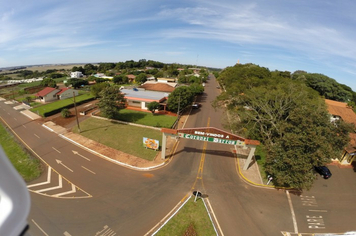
[341,109]
[144,95]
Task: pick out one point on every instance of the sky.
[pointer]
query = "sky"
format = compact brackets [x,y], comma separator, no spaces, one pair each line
[317,36]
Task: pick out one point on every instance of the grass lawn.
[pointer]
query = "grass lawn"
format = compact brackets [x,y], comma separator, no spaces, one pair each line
[146,118]
[28,167]
[192,213]
[126,138]
[59,104]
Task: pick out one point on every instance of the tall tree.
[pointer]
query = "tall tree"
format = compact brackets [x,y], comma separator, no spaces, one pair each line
[180,98]
[111,101]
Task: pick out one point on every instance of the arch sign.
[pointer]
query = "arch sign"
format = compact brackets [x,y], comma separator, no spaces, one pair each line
[211,134]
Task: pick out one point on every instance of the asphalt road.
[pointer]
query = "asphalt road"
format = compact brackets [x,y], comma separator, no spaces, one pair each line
[109,199]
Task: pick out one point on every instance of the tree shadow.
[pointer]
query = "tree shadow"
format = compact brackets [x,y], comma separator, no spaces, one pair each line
[353,164]
[207,151]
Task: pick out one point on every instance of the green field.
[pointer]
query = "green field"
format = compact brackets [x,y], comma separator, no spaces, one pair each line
[126,138]
[146,118]
[41,110]
[191,214]
[28,167]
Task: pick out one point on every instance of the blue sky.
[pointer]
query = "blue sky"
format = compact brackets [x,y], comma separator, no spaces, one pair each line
[317,36]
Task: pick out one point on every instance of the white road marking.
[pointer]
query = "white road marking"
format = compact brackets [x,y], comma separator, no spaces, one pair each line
[40,228]
[292,211]
[67,234]
[89,170]
[56,150]
[36,135]
[24,126]
[60,162]
[42,183]
[77,153]
[52,188]
[65,193]
[319,210]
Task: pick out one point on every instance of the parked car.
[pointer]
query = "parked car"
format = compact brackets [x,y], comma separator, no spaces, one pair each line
[323,171]
[195,105]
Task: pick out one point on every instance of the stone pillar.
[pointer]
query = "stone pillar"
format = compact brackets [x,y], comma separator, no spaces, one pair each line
[164,144]
[249,158]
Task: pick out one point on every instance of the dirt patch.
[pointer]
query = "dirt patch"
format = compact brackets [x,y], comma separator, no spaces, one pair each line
[71,121]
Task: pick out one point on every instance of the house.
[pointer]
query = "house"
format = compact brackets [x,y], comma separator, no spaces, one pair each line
[340,110]
[140,98]
[167,80]
[131,78]
[158,86]
[76,74]
[49,94]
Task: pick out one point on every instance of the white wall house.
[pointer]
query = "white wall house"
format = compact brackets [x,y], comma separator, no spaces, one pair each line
[66,93]
[51,94]
[76,74]
[47,94]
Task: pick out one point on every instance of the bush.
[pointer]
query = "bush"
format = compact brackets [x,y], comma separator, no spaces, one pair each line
[66,113]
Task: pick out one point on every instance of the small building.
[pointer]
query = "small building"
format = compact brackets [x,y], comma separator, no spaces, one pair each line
[76,74]
[49,94]
[158,86]
[340,110]
[140,98]
[167,80]
[131,78]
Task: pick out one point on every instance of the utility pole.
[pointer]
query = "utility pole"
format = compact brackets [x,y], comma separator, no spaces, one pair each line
[178,105]
[76,112]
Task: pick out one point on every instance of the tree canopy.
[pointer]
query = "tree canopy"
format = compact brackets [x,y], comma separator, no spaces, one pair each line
[180,98]
[111,101]
[287,116]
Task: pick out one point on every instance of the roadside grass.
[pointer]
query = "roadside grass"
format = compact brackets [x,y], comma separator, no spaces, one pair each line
[28,167]
[191,214]
[146,118]
[126,138]
[41,110]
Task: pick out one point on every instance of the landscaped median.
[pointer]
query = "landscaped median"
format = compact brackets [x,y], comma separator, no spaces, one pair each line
[57,106]
[191,219]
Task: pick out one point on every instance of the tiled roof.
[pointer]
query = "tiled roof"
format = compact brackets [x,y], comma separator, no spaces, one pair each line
[341,109]
[62,90]
[45,91]
[161,87]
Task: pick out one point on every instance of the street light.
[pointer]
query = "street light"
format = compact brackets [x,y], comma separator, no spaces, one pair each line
[76,112]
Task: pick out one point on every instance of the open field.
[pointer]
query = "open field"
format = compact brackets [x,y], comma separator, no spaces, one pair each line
[47,67]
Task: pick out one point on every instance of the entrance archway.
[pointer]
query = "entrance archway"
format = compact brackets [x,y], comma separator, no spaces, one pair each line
[211,134]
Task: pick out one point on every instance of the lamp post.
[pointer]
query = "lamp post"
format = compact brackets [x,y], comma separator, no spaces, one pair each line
[76,112]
